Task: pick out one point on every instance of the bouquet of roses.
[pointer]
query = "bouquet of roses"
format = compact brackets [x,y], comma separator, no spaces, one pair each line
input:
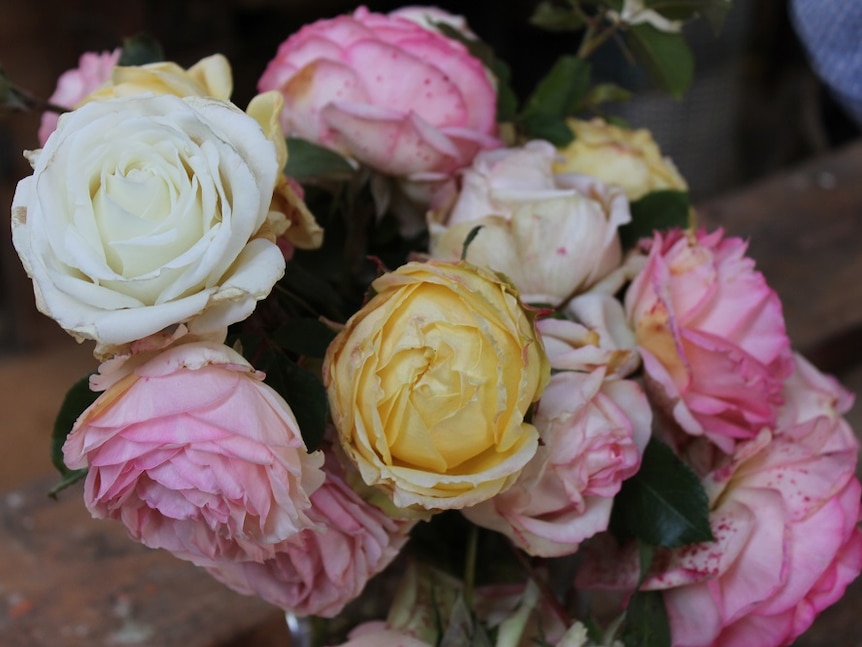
[386,321]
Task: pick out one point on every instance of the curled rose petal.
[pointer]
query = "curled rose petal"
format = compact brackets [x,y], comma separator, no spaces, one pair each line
[194,454]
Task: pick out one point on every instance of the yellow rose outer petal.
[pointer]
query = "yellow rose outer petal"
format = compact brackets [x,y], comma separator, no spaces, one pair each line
[429,384]
[630,159]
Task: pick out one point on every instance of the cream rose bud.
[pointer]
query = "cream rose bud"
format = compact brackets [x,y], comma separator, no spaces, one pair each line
[430,382]
[629,159]
[146,211]
[552,235]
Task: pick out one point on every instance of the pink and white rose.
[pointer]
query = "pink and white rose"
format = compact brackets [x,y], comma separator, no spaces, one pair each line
[94,69]
[193,453]
[784,513]
[319,570]
[597,335]
[593,435]
[552,235]
[403,99]
[711,335]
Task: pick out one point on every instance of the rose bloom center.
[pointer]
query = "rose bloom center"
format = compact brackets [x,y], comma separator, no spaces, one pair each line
[440,380]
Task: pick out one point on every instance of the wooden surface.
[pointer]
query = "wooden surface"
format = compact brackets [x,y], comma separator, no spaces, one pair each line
[69,581]
[805,233]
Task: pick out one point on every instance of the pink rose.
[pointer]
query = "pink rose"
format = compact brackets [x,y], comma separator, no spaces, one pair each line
[711,335]
[379,634]
[403,99]
[73,85]
[598,337]
[553,235]
[321,569]
[593,435]
[193,453]
[784,512]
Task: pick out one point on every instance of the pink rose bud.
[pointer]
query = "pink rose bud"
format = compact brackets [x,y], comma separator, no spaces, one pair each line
[711,335]
[193,453]
[73,85]
[321,569]
[386,91]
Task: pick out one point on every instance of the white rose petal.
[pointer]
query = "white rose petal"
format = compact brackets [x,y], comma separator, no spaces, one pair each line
[553,235]
[142,213]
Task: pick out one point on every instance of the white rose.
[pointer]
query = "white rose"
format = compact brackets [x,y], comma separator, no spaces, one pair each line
[146,211]
[634,12]
[596,335]
[553,235]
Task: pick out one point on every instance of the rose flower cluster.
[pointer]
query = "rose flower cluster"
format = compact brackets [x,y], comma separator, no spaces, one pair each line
[519,368]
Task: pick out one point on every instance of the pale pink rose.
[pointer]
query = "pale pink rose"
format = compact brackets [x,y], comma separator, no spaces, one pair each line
[396,96]
[787,547]
[784,513]
[593,435]
[809,394]
[379,634]
[596,336]
[193,453]
[552,235]
[94,69]
[711,336]
[321,569]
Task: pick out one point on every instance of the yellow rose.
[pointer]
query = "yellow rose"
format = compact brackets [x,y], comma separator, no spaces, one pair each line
[288,214]
[209,77]
[629,159]
[429,384]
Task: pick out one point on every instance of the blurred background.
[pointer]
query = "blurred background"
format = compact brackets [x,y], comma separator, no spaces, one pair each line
[755,107]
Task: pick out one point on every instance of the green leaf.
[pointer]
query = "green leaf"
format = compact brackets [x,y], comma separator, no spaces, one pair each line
[469,239]
[76,401]
[548,127]
[656,211]
[715,11]
[304,392]
[141,49]
[665,56]
[561,91]
[664,504]
[646,622]
[553,18]
[313,291]
[308,160]
[507,101]
[646,553]
[67,481]
[304,336]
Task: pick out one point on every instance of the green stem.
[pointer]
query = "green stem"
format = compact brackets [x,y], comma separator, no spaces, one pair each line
[583,50]
[470,565]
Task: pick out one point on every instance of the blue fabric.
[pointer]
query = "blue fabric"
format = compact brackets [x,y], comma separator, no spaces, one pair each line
[831,31]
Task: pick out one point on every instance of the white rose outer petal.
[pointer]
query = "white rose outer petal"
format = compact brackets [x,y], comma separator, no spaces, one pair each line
[200,173]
